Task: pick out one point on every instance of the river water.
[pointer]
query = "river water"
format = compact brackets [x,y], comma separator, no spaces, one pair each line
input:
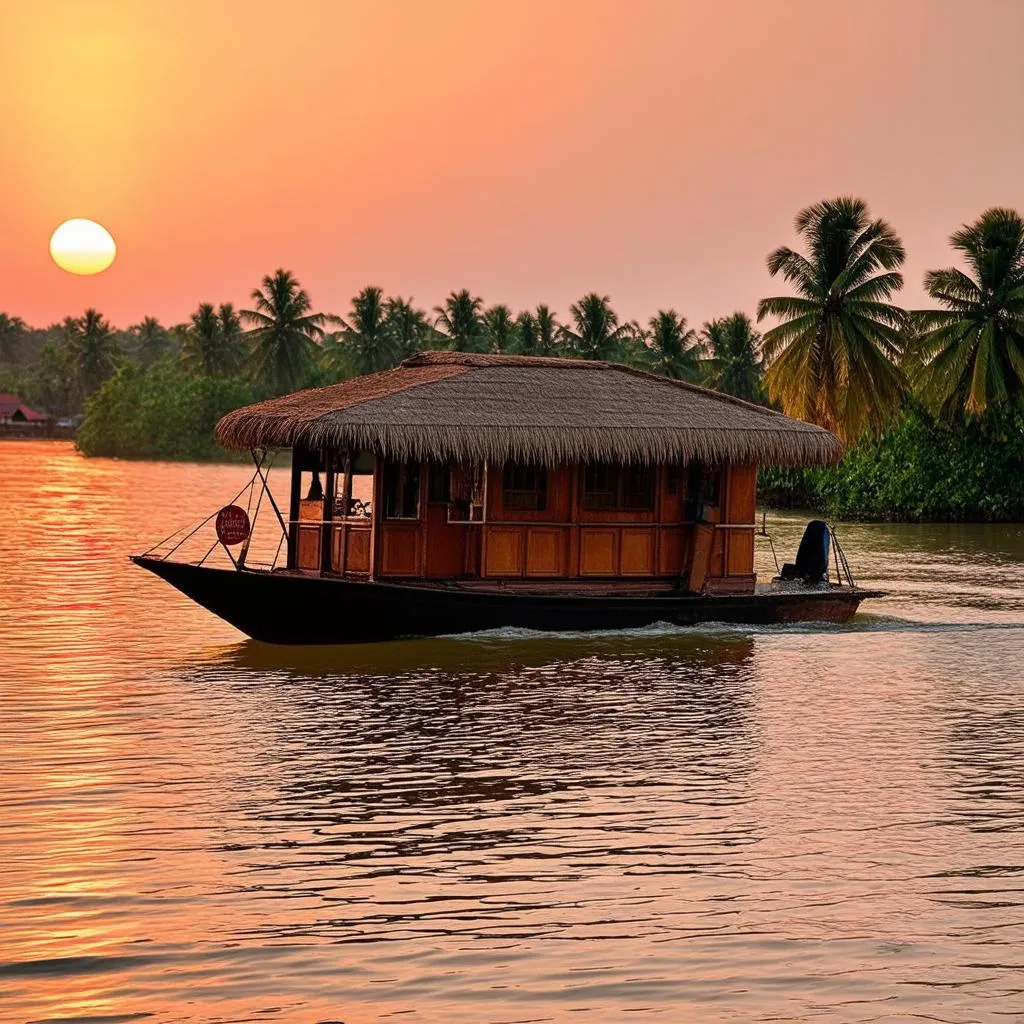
[714,824]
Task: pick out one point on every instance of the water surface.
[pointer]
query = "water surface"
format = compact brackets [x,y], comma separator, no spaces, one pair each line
[714,824]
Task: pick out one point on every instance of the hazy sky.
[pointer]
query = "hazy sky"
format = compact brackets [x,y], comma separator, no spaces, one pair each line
[533,150]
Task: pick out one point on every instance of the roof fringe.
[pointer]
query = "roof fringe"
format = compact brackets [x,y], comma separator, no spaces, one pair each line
[552,448]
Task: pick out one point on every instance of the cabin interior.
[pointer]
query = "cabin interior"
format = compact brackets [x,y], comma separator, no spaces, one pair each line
[688,527]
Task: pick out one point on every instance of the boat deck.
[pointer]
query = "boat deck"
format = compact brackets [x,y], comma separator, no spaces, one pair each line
[601,588]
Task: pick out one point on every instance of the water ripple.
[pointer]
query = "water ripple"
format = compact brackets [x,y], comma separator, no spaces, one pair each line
[712,824]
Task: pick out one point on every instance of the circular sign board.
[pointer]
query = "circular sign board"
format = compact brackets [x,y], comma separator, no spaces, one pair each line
[232,525]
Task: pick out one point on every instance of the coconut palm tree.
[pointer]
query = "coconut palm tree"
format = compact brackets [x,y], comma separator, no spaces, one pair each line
[525,336]
[151,340]
[731,344]
[93,348]
[208,349]
[499,329]
[285,333]
[972,351]
[12,330]
[366,332]
[673,349]
[834,356]
[459,318]
[231,328]
[598,333]
[547,332]
[408,327]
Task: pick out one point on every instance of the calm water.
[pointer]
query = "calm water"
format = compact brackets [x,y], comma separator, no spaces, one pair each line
[684,825]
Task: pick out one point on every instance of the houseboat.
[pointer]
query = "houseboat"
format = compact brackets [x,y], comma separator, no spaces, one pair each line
[461,492]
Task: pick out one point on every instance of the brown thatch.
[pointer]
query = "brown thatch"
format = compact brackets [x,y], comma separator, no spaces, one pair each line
[455,405]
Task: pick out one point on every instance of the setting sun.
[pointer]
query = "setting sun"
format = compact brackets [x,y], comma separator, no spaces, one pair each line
[82,246]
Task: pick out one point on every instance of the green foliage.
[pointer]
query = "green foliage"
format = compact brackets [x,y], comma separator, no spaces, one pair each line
[12,331]
[971,353]
[94,349]
[920,469]
[212,344]
[460,319]
[833,358]
[672,348]
[148,341]
[733,366]
[499,329]
[285,333]
[597,332]
[378,334]
[161,412]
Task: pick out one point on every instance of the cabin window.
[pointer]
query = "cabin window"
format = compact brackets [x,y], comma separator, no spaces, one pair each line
[439,484]
[703,489]
[608,486]
[637,487]
[525,487]
[402,490]
[672,481]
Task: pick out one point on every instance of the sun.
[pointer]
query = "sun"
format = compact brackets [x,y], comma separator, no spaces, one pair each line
[82,246]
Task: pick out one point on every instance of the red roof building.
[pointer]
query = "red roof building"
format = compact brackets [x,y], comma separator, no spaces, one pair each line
[14,411]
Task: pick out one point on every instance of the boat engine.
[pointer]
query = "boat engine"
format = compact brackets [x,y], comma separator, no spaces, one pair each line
[811,563]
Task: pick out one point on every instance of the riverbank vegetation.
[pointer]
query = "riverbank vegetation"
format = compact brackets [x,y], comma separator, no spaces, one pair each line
[929,402]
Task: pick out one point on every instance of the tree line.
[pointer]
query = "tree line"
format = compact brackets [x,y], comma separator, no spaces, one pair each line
[281,345]
[839,350]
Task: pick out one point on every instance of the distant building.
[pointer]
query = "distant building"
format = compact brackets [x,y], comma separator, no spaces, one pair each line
[19,420]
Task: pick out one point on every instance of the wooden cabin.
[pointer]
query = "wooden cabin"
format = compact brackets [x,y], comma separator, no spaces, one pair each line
[537,473]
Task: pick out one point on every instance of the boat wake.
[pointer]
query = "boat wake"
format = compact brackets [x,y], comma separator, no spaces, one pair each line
[860,624]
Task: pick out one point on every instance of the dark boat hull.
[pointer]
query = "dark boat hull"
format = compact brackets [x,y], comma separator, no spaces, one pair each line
[288,608]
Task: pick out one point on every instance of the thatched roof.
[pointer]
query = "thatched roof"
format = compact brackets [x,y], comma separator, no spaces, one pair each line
[455,405]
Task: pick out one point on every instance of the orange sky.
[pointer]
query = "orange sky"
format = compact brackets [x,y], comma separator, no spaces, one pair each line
[530,151]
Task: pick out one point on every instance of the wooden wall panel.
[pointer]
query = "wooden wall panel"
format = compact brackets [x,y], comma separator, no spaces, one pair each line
[703,539]
[740,560]
[504,551]
[545,551]
[443,545]
[636,552]
[716,564]
[671,505]
[357,550]
[308,550]
[556,509]
[670,557]
[311,510]
[400,548]
[599,554]
[742,494]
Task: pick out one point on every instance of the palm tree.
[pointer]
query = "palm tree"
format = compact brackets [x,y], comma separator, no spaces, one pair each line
[598,333]
[673,348]
[151,340]
[459,318]
[408,327]
[525,340]
[285,333]
[208,349]
[536,334]
[732,344]
[548,330]
[231,327]
[834,357]
[93,348]
[499,329]
[972,352]
[12,330]
[366,332]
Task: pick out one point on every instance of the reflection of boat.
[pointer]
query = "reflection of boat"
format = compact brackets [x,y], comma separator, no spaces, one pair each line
[490,654]
[506,491]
